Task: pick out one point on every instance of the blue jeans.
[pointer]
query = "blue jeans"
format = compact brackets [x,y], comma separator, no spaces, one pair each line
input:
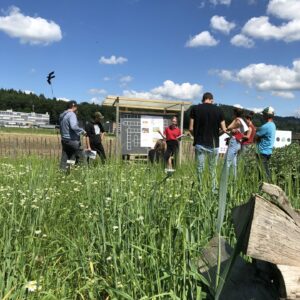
[232,152]
[211,154]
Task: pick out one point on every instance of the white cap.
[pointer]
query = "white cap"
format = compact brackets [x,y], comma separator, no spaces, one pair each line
[268,111]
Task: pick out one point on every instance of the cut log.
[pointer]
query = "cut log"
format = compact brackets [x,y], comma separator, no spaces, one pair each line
[281,200]
[290,282]
[273,235]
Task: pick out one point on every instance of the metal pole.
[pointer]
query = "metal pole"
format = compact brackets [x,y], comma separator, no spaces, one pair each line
[181,128]
[117,127]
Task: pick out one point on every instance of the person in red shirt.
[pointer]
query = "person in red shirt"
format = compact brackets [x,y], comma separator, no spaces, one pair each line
[171,135]
[249,137]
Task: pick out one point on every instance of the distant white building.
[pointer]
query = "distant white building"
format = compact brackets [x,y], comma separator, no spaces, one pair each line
[9,118]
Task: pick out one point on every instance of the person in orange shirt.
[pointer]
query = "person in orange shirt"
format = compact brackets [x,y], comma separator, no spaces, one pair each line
[171,135]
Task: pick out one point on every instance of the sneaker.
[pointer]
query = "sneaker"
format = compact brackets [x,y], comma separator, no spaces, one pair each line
[169,170]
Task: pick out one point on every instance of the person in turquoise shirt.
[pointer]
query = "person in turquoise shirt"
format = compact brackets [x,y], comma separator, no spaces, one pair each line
[265,137]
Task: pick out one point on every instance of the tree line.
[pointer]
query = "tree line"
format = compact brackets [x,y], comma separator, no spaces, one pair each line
[23,102]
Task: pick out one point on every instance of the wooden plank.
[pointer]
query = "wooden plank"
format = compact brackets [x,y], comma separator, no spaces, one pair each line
[137,157]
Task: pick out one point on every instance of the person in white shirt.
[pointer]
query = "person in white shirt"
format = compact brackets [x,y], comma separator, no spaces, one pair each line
[237,130]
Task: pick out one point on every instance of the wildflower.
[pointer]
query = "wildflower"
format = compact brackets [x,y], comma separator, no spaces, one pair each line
[32,286]
[140,218]
[39,259]
[38,232]
[109,258]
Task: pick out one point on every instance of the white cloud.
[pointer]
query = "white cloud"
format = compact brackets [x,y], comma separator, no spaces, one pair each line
[225,75]
[256,109]
[113,60]
[279,80]
[271,77]
[32,30]
[286,95]
[221,24]
[64,99]
[126,79]
[238,106]
[224,2]
[241,40]
[28,92]
[106,78]
[143,95]
[95,100]
[284,9]
[97,91]
[202,39]
[262,28]
[169,90]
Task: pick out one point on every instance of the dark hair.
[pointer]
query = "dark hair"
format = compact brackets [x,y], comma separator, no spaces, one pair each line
[160,146]
[71,104]
[238,112]
[249,115]
[207,95]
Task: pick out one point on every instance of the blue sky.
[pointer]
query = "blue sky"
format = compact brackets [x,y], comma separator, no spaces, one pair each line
[246,52]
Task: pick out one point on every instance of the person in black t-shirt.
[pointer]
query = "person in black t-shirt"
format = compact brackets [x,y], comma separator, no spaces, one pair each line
[95,133]
[206,120]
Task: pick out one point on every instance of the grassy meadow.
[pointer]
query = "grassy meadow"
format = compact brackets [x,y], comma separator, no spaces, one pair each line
[117,231]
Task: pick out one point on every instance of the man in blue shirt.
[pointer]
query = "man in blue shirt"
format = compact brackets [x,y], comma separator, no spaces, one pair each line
[265,137]
[70,135]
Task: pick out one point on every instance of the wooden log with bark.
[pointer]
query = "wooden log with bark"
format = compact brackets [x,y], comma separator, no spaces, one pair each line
[273,235]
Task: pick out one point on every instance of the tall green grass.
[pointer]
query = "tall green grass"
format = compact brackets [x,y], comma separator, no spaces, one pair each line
[118,231]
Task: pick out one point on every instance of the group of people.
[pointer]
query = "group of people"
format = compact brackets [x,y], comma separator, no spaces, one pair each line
[71,137]
[207,122]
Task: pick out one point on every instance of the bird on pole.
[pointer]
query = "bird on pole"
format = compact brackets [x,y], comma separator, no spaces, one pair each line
[49,78]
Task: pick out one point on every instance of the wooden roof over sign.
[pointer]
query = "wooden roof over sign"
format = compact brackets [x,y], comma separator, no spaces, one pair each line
[147,104]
